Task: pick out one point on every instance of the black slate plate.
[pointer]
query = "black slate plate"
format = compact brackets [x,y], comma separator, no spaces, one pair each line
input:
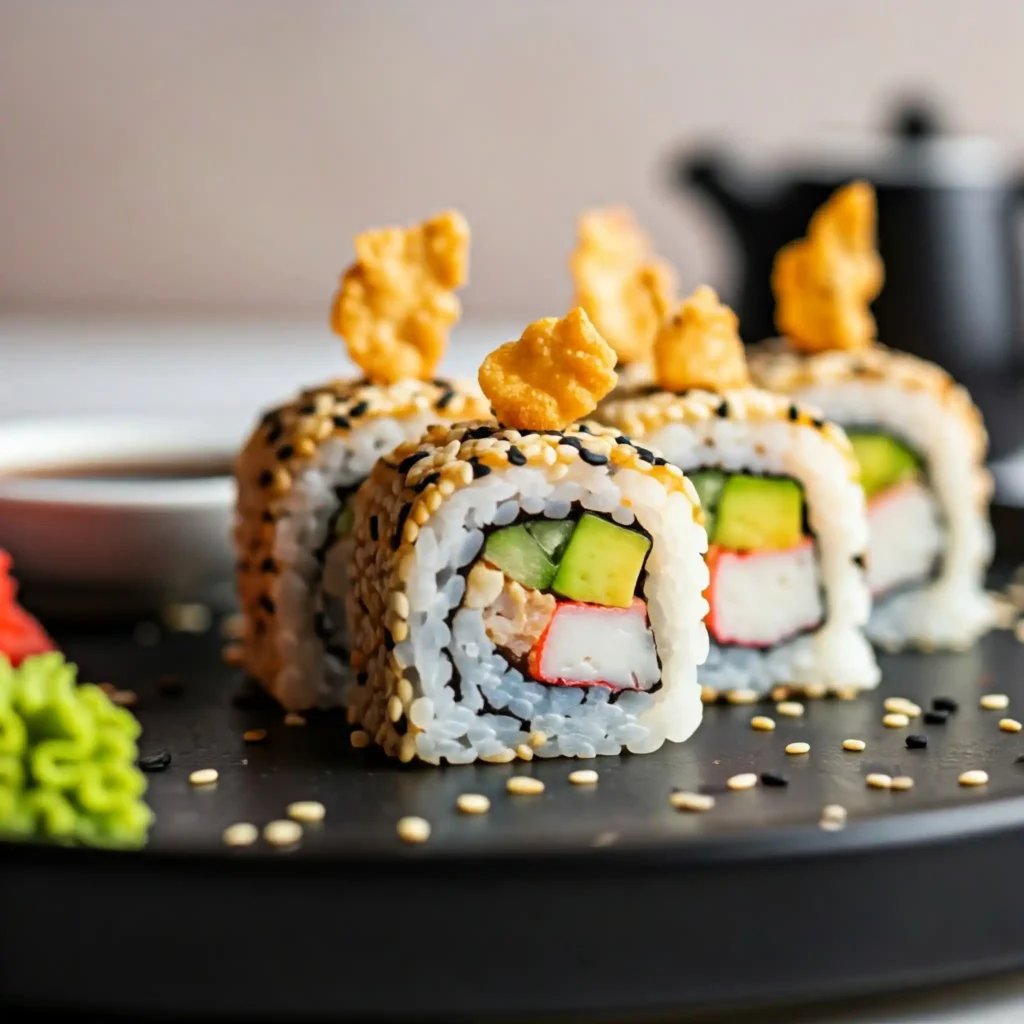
[600,902]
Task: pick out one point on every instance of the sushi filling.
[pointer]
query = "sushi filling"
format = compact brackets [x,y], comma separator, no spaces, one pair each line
[765,581]
[561,601]
[906,536]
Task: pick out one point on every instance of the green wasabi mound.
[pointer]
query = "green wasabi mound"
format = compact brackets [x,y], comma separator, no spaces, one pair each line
[67,759]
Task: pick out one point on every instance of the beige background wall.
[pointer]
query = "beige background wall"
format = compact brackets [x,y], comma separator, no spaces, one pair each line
[215,157]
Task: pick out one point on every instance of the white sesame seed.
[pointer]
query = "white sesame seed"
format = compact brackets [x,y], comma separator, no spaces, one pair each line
[790,708]
[876,780]
[742,696]
[524,785]
[413,829]
[745,780]
[895,720]
[975,777]
[1009,725]
[203,777]
[832,824]
[857,745]
[524,751]
[282,832]
[473,803]
[708,695]
[995,702]
[895,703]
[536,739]
[242,833]
[799,747]
[307,811]
[901,783]
[583,777]
[294,718]
[692,801]
[762,723]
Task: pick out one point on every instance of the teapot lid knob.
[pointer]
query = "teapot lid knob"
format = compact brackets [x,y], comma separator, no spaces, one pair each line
[916,119]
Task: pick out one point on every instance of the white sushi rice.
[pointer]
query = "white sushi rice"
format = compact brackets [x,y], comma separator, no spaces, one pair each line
[311,677]
[953,610]
[492,708]
[837,654]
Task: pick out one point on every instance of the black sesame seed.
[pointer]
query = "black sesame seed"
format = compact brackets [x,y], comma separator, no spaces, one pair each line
[396,537]
[409,461]
[359,409]
[774,779]
[1019,759]
[936,717]
[157,762]
[917,741]
[945,704]
[645,454]
[478,433]
[860,561]
[479,469]
[389,640]
[402,726]
[285,452]
[440,382]
[622,439]
[659,461]
[593,458]
[266,478]
[274,433]
[817,422]
[267,516]
[723,409]
[583,428]
[516,457]
[573,442]
[270,416]
[430,478]
[794,413]
[268,565]
[374,528]
[362,678]
[267,604]
[341,422]
[308,409]
[444,400]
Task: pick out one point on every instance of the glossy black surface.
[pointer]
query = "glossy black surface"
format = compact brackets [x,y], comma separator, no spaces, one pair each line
[602,902]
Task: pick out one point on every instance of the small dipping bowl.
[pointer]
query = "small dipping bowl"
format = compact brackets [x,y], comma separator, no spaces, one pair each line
[118,515]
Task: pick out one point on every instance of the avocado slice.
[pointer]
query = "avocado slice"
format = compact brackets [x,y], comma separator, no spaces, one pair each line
[759,513]
[552,535]
[708,484]
[883,461]
[601,563]
[515,552]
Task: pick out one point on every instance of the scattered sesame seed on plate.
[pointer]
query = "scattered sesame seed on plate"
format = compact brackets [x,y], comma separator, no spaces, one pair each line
[901,783]
[876,780]
[745,780]
[833,812]
[254,735]
[995,702]
[742,696]
[947,704]
[536,739]
[762,723]
[583,777]
[974,777]
[358,738]
[1009,725]
[242,833]
[789,708]
[294,718]
[916,741]
[798,747]
[282,832]
[124,698]
[852,744]
[413,830]
[524,751]
[307,811]
[774,779]
[204,777]
[473,803]
[895,720]
[524,785]
[708,695]
[697,802]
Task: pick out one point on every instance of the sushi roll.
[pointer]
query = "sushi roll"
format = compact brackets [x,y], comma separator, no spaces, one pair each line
[622,286]
[784,513]
[298,474]
[919,439]
[528,587]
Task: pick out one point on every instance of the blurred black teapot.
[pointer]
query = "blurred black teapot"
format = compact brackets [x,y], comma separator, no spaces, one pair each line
[946,231]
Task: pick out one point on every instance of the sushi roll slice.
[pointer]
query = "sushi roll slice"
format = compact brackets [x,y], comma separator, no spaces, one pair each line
[298,474]
[622,286]
[528,587]
[918,437]
[784,513]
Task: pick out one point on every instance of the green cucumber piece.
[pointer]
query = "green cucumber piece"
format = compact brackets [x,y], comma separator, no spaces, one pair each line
[515,552]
